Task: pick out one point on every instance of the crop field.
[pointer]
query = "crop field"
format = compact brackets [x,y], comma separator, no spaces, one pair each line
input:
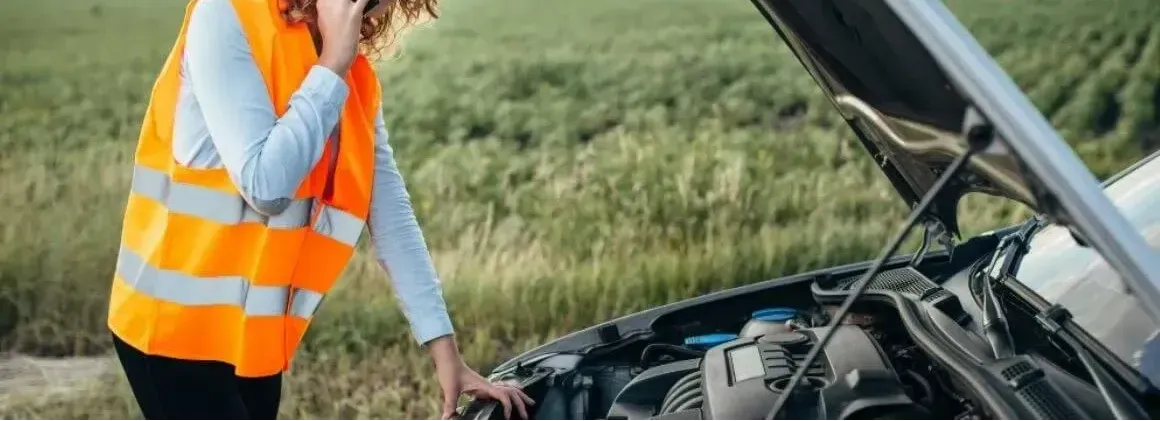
[570,162]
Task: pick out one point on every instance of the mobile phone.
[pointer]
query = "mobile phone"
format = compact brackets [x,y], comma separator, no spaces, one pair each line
[370,5]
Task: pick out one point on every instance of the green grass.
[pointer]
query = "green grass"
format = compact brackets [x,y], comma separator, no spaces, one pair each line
[569,161]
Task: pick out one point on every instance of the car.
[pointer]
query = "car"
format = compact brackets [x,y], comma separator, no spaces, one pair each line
[1054,318]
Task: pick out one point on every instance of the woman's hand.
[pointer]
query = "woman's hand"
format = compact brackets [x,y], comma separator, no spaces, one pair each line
[456,378]
[340,26]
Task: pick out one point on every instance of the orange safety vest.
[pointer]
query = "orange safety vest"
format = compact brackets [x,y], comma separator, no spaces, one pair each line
[203,276]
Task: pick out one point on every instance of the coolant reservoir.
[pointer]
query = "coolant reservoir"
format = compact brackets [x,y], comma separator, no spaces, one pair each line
[768,321]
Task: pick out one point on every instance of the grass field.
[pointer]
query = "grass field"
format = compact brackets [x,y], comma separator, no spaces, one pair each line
[569,161]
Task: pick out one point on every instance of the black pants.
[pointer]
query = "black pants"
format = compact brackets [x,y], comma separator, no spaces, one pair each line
[168,388]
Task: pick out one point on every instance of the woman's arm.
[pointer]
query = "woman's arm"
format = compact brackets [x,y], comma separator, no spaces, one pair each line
[267,156]
[400,247]
[403,252]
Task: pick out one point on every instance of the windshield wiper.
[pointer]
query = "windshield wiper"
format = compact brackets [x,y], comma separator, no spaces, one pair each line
[1012,248]
[1003,263]
[994,322]
[1123,404]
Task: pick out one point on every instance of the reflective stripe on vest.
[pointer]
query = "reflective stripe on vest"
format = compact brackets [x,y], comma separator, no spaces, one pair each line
[179,288]
[232,209]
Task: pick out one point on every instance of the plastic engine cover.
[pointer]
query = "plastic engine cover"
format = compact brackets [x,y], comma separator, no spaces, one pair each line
[742,379]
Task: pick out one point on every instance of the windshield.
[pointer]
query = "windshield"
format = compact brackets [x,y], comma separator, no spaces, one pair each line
[1063,272]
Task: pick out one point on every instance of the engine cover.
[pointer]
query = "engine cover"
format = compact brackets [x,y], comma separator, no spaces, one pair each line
[851,379]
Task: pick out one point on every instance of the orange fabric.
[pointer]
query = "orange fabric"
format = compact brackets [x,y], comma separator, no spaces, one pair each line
[189,245]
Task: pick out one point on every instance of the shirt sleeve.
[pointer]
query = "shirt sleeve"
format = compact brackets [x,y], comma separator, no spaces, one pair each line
[400,247]
[266,155]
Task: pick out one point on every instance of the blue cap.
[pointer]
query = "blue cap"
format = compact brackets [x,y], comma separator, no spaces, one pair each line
[775,314]
[709,341]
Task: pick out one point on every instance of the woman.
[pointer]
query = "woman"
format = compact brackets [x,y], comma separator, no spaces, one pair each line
[262,155]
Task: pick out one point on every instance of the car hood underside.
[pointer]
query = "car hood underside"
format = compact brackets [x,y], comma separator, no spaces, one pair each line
[907,112]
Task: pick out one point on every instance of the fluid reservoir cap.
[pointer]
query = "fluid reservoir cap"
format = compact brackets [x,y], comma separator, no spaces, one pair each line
[775,314]
[709,340]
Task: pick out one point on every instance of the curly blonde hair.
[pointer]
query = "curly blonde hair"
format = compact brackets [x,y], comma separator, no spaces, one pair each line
[378,33]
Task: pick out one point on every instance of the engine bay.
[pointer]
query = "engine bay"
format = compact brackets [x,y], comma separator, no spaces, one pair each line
[911,348]
[741,377]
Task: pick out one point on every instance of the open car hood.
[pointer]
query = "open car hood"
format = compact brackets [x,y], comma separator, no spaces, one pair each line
[905,110]
[914,85]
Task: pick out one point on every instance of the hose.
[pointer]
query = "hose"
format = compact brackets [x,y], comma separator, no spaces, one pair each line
[647,355]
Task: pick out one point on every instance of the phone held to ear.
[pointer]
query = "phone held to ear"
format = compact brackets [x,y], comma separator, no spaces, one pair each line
[370,6]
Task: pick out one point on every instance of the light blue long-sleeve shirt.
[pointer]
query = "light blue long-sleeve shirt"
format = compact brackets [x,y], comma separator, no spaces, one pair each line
[225,118]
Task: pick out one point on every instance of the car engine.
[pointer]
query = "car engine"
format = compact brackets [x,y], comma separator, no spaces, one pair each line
[911,351]
[741,376]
